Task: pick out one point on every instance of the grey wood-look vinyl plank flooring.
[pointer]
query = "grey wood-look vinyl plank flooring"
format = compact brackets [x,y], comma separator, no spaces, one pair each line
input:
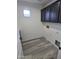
[39,48]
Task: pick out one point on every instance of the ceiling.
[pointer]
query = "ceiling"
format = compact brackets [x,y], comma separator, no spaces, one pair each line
[42,2]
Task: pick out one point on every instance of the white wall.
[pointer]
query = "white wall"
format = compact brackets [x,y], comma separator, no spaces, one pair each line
[33,27]
[30,27]
[45,5]
[53,25]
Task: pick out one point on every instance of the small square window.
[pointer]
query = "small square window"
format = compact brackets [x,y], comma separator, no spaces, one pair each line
[26,13]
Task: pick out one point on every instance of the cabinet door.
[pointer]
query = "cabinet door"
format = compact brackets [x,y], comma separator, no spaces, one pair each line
[43,15]
[59,13]
[47,14]
[54,12]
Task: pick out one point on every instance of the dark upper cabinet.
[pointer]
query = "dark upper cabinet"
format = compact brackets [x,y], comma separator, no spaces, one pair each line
[59,20]
[51,13]
[47,14]
[54,12]
[43,15]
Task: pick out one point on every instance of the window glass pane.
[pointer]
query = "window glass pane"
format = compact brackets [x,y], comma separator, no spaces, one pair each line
[26,13]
